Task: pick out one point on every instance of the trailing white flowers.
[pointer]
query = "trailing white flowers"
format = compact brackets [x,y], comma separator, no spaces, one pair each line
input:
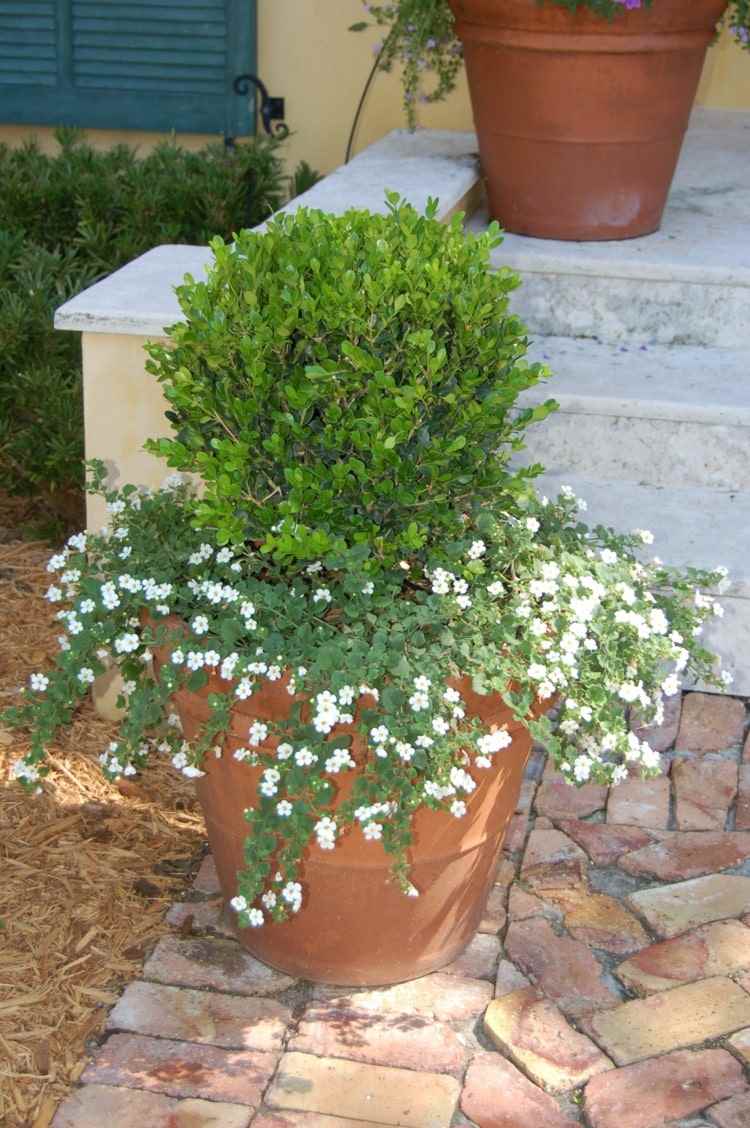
[373,663]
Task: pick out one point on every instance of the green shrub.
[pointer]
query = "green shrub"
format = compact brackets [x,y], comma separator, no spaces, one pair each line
[347,380]
[65,222]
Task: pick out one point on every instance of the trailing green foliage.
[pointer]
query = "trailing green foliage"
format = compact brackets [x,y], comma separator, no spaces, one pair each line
[66,221]
[347,381]
[420,39]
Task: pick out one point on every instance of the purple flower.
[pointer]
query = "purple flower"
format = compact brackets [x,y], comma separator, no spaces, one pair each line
[629,3]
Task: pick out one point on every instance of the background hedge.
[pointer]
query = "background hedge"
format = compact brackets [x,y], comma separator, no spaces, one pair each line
[70,219]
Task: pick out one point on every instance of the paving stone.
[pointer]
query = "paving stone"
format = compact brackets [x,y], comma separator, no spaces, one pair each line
[743,799]
[672,909]
[746,750]
[704,792]
[599,920]
[721,948]
[508,979]
[497,1095]
[478,960]
[552,860]
[565,969]
[515,836]
[660,737]
[410,1041]
[505,872]
[526,796]
[95,1106]
[310,1120]
[205,916]
[662,1090]
[494,911]
[688,853]
[534,1034]
[710,722]
[522,905]
[558,799]
[670,1020]
[740,1043]
[207,879]
[734,1113]
[218,964]
[604,843]
[182,1069]
[444,997]
[640,802]
[744,980]
[349,1088]
[211,1018]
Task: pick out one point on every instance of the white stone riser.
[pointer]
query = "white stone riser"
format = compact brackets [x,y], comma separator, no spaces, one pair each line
[637,310]
[657,452]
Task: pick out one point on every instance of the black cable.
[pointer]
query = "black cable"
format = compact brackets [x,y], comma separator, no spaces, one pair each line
[365,92]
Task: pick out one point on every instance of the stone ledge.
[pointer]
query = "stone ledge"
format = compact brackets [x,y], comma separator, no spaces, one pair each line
[139,298]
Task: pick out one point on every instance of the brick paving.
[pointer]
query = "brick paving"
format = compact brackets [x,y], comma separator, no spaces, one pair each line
[608,984]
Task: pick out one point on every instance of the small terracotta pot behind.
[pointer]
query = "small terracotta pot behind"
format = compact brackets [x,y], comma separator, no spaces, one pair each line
[355,926]
[580,120]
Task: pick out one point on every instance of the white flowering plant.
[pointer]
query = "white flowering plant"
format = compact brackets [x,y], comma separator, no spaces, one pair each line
[524,600]
[361,539]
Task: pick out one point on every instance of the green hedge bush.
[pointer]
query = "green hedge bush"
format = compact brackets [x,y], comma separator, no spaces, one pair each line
[65,222]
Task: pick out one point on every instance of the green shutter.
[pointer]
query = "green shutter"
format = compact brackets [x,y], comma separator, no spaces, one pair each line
[127,64]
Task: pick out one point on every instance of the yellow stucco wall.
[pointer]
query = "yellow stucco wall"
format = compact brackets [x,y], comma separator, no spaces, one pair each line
[306,54]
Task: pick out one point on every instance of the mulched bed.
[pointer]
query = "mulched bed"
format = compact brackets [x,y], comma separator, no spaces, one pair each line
[88,868]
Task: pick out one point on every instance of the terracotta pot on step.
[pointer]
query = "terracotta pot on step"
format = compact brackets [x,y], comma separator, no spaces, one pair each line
[580,120]
[355,926]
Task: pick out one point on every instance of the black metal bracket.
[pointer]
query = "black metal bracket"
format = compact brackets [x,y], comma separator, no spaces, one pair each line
[271,110]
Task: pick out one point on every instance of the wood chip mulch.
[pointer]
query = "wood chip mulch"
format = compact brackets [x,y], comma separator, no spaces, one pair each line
[86,870]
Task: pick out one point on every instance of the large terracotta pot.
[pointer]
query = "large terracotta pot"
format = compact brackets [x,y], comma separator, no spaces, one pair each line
[580,121]
[355,926]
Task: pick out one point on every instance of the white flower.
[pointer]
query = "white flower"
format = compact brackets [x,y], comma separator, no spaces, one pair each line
[194,660]
[532,524]
[608,556]
[458,808]
[322,595]
[452,696]
[284,809]
[110,598]
[441,581]
[304,757]
[495,588]
[461,780]
[536,671]
[127,643]
[273,673]
[726,677]
[671,685]
[258,733]
[644,536]
[86,607]
[418,702]
[440,726]
[200,624]
[494,741]
[239,904]
[211,658]
[404,565]
[477,549]
[422,683]
[369,588]
[325,832]
[464,602]
[255,918]
[57,562]
[269,899]
[311,569]
[379,735]
[372,831]
[620,774]
[54,595]
[39,682]
[244,689]
[483,762]
[284,751]
[86,675]
[582,768]
[224,556]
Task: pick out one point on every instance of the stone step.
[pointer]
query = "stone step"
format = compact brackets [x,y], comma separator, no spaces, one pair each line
[697,526]
[689,283]
[655,414]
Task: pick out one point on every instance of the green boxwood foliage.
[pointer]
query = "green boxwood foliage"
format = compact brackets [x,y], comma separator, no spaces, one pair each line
[346,381]
[68,220]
